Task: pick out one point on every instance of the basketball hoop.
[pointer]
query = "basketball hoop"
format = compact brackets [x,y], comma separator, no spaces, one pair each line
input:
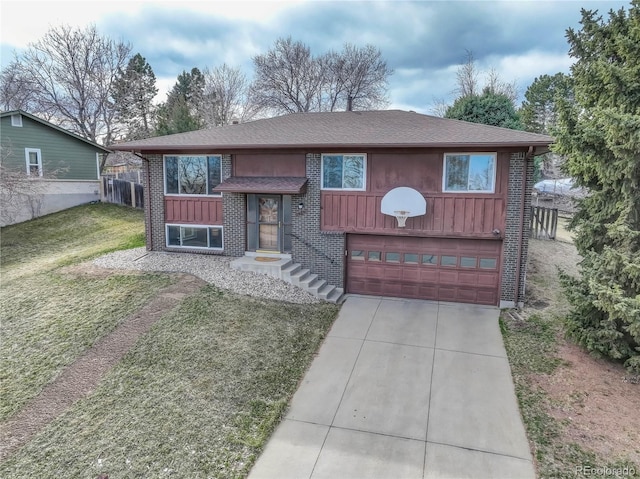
[401,216]
[403,202]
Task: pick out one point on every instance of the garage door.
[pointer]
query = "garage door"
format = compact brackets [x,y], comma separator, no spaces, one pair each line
[460,270]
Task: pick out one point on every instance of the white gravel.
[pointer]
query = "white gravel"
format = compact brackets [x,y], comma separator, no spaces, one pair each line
[212,269]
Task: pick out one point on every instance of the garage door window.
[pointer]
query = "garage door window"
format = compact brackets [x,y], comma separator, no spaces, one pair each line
[429,259]
[375,255]
[392,257]
[488,263]
[468,262]
[358,255]
[411,258]
[448,260]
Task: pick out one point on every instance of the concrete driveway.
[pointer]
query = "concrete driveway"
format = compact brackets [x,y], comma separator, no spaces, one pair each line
[404,389]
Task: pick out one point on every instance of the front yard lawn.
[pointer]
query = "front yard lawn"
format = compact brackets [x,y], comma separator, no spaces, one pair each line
[197,396]
[49,314]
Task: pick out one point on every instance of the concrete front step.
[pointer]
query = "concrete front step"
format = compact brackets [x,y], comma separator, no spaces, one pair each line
[284,268]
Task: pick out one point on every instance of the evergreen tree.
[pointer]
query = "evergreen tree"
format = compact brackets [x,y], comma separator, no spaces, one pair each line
[489,108]
[134,91]
[600,136]
[538,112]
[183,109]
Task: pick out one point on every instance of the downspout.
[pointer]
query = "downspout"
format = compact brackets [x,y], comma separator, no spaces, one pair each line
[148,201]
[527,157]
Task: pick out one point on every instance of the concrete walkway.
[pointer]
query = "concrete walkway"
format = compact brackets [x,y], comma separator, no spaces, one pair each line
[404,389]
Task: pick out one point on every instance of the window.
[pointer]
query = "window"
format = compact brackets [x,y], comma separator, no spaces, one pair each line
[188,236]
[16,120]
[374,255]
[411,258]
[469,172]
[33,157]
[429,259]
[392,257]
[488,263]
[192,175]
[448,260]
[467,262]
[343,172]
[357,255]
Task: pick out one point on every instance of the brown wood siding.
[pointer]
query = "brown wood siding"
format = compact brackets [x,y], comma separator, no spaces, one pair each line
[191,210]
[411,267]
[269,164]
[475,216]
[448,214]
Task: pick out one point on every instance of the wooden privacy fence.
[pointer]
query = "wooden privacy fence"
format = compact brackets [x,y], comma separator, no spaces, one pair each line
[122,192]
[544,222]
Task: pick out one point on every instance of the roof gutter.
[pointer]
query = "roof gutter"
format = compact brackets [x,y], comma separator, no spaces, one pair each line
[323,146]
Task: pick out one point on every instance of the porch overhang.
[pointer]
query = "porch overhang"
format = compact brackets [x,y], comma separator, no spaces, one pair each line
[280,185]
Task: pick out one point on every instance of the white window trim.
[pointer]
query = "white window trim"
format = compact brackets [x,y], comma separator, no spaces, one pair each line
[183,225]
[164,177]
[28,163]
[16,120]
[472,192]
[364,172]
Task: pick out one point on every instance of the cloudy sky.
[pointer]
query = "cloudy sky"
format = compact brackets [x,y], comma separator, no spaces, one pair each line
[423,41]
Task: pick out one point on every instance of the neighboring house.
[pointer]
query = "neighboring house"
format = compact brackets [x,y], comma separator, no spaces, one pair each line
[311,184]
[53,169]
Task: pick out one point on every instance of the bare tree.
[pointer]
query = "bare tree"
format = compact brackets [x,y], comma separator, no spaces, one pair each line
[356,74]
[468,86]
[289,79]
[439,107]
[67,77]
[20,194]
[494,84]
[467,77]
[226,97]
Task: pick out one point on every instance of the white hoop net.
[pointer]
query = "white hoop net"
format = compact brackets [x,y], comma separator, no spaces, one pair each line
[401,216]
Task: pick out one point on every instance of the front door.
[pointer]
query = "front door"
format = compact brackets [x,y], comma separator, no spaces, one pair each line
[269,222]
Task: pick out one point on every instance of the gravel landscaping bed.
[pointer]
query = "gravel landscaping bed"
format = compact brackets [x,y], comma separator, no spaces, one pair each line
[212,269]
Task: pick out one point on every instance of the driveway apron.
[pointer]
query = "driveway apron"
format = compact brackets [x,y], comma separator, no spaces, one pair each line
[404,389]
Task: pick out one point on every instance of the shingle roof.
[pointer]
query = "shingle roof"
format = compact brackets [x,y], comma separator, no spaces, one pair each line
[55,127]
[260,184]
[384,128]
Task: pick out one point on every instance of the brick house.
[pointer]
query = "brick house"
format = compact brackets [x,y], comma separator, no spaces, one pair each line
[308,187]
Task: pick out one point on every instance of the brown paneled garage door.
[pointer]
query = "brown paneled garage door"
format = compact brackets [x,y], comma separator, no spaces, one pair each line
[461,270]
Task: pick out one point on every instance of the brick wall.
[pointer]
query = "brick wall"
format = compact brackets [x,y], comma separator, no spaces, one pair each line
[154,203]
[511,260]
[320,252]
[234,213]
[154,210]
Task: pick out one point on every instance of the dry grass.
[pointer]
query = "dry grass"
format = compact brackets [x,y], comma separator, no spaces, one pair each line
[576,409]
[197,397]
[49,317]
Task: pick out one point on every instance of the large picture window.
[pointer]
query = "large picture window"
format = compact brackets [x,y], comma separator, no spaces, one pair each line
[469,172]
[188,236]
[344,172]
[192,175]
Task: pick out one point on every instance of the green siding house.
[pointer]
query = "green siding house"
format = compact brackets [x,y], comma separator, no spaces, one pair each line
[53,168]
